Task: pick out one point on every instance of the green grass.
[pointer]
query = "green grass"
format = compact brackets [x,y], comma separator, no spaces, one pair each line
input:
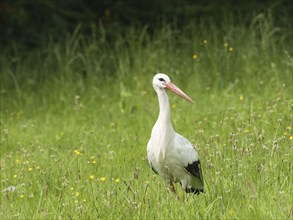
[76,118]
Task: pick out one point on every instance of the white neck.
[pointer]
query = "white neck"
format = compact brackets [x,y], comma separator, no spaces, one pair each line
[164,120]
[164,115]
[163,132]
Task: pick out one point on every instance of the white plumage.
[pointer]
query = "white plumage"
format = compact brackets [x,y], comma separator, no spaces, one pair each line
[171,155]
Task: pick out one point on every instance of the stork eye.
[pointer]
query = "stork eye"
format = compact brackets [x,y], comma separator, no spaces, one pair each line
[162,80]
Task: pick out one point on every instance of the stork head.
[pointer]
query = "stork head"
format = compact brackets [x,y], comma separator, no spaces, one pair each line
[162,81]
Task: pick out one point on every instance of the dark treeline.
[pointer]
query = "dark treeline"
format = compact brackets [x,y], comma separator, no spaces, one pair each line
[32,22]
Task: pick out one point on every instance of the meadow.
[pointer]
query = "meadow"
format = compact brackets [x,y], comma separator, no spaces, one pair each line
[76,117]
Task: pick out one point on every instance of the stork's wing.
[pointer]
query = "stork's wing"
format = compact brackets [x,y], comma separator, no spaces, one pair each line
[188,157]
[195,169]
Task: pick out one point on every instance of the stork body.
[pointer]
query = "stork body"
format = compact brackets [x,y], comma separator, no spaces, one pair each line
[171,155]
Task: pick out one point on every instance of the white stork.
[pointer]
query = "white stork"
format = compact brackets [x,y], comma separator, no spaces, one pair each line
[171,155]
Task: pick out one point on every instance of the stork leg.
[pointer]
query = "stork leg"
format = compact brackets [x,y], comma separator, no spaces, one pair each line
[172,188]
[184,197]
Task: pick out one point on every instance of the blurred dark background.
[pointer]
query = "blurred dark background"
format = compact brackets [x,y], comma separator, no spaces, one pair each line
[31,23]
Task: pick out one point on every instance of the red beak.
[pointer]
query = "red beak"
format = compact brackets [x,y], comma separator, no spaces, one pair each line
[178,91]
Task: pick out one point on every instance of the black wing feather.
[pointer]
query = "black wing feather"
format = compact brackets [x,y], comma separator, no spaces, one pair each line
[195,170]
[194,191]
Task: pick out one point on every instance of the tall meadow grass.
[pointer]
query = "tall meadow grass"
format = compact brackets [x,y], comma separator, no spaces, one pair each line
[76,116]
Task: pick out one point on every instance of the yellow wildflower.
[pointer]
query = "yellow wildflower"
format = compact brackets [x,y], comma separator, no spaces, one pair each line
[21,196]
[77,194]
[241,98]
[195,56]
[71,188]
[291,137]
[92,177]
[15,176]
[102,178]
[94,162]
[230,49]
[117,180]
[77,152]
[17,161]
